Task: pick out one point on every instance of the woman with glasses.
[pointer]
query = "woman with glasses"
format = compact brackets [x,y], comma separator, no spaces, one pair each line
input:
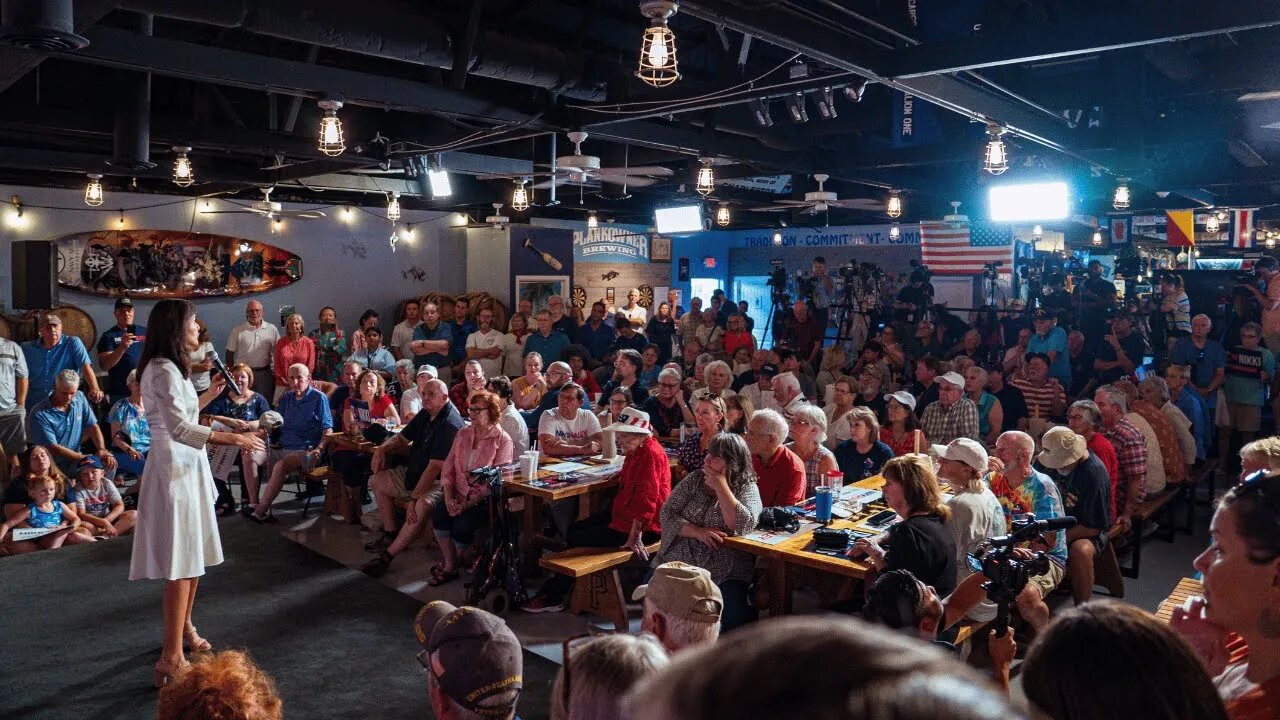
[902,433]
[990,412]
[481,444]
[718,500]
[808,428]
[708,416]
[666,405]
[598,671]
[1241,571]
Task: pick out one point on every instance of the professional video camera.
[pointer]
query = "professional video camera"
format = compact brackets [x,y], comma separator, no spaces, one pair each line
[777,281]
[806,285]
[1006,574]
[920,272]
[990,270]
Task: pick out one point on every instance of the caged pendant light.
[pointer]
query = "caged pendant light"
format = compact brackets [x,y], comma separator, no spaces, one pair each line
[722,215]
[331,142]
[995,160]
[183,174]
[393,206]
[706,183]
[520,197]
[894,208]
[1121,199]
[93,196]
[658,64]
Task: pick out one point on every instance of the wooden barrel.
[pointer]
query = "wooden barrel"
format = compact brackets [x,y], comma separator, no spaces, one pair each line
[77,322]
[475,301]
[7,329]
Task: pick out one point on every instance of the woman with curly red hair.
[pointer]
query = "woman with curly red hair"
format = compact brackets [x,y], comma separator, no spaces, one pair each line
[225,686]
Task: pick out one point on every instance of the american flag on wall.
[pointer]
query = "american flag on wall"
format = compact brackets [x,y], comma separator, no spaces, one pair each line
[962,249]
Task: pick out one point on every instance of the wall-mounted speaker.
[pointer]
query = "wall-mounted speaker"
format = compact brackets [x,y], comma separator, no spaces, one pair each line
[34,276]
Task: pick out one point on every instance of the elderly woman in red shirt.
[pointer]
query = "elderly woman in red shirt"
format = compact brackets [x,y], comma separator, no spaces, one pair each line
[644,483]
[481,444]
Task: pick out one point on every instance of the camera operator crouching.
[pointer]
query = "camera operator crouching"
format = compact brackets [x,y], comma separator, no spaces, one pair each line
[914,299]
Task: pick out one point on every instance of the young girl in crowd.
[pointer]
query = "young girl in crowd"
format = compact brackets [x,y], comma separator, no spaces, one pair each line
[46,512]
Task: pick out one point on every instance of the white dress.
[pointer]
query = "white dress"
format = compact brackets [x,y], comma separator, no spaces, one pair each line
[177,531]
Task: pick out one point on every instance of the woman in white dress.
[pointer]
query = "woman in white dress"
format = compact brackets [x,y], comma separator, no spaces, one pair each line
[177,531]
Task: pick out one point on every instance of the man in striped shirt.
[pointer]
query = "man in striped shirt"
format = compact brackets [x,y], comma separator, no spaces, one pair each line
[1131,452]
[1044,395]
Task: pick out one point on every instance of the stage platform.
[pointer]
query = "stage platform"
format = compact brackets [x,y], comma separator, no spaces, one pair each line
[78,639]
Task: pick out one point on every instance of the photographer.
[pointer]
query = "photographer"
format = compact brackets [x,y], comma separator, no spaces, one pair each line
[1097,297]
[1055,297]
[1121,352]
[1023,490]
[914,298]
[803,333]
[824,291]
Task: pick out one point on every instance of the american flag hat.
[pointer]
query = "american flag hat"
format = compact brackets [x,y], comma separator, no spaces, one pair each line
[633,421]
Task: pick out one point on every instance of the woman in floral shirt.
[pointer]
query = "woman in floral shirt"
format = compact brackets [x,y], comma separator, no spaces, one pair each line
[331,346]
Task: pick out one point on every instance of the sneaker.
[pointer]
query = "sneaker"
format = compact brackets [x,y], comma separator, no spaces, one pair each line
[543,604]
[377,567]
[380,543]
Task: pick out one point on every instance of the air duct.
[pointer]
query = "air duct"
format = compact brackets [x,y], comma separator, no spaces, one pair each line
[131,141]
[382,30]
[39,25]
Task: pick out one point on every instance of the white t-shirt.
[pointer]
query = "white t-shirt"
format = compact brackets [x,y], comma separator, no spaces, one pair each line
[576,431]
[638,313]
[200,380]
[410,402]
[254,347]
[513,423]
[493,339]
[401,336]
[975,516]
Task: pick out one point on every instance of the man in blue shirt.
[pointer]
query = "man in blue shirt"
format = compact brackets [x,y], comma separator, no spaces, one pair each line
[62,422]
[374,356]
[307,426]
[596,336]
[462,329]
[1185,399]
[432,341]
[1207,359]
[1051,340]
[547,341]
[119,350]
[52,353]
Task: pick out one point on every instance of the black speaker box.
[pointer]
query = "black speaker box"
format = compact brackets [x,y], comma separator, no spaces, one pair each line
[34,276]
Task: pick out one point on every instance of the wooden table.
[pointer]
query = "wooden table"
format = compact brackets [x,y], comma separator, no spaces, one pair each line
[796,551]
[535,496]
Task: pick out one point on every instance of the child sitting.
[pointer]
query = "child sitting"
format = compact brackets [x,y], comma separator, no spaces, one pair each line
[98,502]
[45,512]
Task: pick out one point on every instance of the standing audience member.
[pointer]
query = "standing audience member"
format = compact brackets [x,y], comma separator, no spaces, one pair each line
[779,472]
[632,310]
[13,403]
[486,344]
[689,323]
[120,348]
[953,415]
[632,522]
[483,443]
[50,354]
[661,331]
[1176,306]
[513,345]
[1086,496]
[596,335]
[432,341]
[682,604]
[294,347]
[1121,351]
[603,669]
[226,685]
[253,342]
[64,421]
[710,336]
[547,341]
[330,344]
[474,663]
[196,361]
[1206,358]
[402,333]
[1249,371]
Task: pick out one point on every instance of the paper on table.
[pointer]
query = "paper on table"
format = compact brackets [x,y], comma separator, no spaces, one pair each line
[564,467]
[777,537]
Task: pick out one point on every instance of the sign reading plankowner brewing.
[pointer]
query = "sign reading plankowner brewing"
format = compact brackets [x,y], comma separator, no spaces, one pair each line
[611,244]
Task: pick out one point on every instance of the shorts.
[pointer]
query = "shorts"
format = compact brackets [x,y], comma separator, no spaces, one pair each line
[13,431]
[391,481]
[1245,418]
[1048,582]
[275,455]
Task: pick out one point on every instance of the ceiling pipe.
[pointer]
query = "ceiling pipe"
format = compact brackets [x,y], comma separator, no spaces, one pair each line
[387,32]
[39,25]
[131,140]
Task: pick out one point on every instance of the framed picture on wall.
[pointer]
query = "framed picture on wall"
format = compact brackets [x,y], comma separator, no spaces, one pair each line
[608,296]
[539,288]
[660,250]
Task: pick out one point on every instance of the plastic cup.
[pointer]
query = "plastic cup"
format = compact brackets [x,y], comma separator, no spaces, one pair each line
[529,467]
[834,479]
[822,504]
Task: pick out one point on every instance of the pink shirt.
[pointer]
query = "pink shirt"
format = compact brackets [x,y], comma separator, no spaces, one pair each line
[495,448]
[288,353]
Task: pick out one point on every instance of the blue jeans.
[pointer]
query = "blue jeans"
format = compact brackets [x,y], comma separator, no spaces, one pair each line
[127,464]
[738,610]
[462,528]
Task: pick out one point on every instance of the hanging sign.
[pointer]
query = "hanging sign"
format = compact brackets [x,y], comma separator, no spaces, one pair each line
[611,244]
[806,237]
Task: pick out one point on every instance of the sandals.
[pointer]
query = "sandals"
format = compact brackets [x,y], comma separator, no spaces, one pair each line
[440,576]
[192,641]
[164,673]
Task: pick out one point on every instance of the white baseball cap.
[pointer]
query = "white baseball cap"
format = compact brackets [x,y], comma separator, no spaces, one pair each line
[954,378]
[429,370]
[903,397]
[970,452]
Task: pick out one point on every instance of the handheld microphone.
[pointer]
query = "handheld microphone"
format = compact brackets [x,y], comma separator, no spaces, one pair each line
[212,356]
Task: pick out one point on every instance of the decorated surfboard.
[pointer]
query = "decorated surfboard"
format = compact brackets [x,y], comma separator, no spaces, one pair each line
[171,264]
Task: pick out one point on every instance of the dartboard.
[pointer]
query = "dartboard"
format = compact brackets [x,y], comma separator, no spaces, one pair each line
[646,296]
[579,296]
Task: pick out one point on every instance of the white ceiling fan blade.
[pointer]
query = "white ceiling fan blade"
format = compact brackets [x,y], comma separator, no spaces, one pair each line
[654,170]
[630,180]
[304,214]
[786,205]
[246,211]
[558,182]
[859,204]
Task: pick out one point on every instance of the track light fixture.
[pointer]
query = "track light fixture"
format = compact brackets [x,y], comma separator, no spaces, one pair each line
[93,196]
[826,102]
[995,160]
[438,178]
[520,197]
[706,178]
[894,208]
[855,91]
[796,108]
[183,175]
[331,142]
[722,215]
[393,207]
[1121,199]
[658,64]
[760,111]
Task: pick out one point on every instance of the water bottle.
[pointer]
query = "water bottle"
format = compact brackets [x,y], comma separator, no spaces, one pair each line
[822,504]
[308,460]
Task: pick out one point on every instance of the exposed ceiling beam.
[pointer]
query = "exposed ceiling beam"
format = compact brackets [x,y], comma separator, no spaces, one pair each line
[1146,24]
[15,63]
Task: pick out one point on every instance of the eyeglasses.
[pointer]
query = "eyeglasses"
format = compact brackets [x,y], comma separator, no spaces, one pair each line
[477,409]
[670,385]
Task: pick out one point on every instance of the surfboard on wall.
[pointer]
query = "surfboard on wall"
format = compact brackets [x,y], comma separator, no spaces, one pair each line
[171,264]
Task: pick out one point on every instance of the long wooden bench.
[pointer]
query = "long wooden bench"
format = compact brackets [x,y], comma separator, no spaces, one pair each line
[1153,506]
[597,587]
[1186,587]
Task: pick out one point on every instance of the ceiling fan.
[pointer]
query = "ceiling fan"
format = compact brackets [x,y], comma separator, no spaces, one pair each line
[497,220]
[269,209]
[579,169]
[820,200]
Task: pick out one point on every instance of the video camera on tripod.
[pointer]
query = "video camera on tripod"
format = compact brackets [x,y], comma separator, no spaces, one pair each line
[1006,574]
[991,270]
[777,281]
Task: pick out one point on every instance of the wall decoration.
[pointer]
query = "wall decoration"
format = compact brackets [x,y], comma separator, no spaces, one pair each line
[355,249]
[579,296]
[646,296]
[527,247]
[551,260]
[539,288]
[661,251]
[414,272]
[611,244]
[609,296]
[609,275]
[171,264]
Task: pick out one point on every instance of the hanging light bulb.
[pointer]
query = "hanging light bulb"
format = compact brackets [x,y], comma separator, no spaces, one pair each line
[120,221]
[393,207]
[183,175]
[410,233]
[706,178]
[1097,237]
[722,215]
[593,222]
[348,215]
[93,196]
[777,238]
[894,231]
[520,198]
[995,160]
[1222,215]
[244,246]
[658,64]
[1121,199]
[894,208]
[1037,233]
[276,224]
[1196,252]
[1211,225]
[331,143]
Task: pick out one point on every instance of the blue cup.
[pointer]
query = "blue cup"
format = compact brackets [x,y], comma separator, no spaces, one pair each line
[822,501]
